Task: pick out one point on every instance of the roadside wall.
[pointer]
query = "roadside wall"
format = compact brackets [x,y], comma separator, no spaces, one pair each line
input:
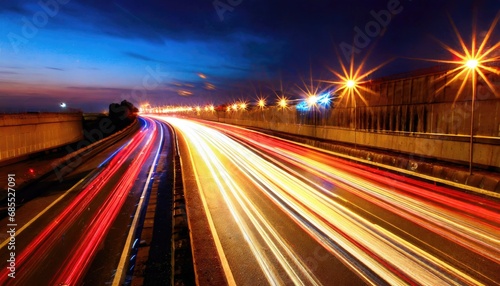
[27,133]
[424,114]
[445,147]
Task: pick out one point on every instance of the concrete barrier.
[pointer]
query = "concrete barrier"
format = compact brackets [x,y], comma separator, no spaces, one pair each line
[27,133]
[444,147]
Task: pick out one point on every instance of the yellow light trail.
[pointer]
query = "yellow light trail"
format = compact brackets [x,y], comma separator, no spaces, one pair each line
[235,198]
[373,252]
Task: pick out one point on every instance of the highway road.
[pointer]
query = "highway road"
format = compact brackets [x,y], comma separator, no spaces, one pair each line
[61,230]
[282,213]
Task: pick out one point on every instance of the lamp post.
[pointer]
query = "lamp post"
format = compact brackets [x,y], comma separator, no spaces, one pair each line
[472,64]
[283,103]
[312,103]
[350,85]
[262,103]
[473,61]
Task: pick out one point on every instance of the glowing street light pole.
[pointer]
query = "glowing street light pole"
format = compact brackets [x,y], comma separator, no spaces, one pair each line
[473,60]
[350,84]
[262,103]
[283,103]
[312,102]
[472,65]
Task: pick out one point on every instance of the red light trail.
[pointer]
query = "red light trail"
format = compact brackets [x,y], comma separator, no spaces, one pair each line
[93,235]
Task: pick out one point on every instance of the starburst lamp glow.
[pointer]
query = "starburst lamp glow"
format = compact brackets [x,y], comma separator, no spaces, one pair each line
[312,99]
[282,103]
[350,83]
[472,64]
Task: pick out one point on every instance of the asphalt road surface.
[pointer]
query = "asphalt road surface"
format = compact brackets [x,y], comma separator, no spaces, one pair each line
[281,213]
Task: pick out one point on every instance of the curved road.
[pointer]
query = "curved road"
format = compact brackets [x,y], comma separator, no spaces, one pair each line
[60,232]
[281,213]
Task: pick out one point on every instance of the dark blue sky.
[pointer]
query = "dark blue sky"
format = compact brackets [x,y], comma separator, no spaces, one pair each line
[92,53]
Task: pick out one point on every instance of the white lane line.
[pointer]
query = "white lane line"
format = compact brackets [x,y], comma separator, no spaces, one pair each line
[120,269]
[45,210]
[218,245]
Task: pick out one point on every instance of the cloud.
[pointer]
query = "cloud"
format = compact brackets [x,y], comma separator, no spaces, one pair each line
[54,68]
[141,57]
[258,41]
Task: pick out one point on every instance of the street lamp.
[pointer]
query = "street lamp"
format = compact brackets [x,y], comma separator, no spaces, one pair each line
[261,103]
[473,61]
[283,102]
[350,83]
[312,100]
[350,86]
[472,65]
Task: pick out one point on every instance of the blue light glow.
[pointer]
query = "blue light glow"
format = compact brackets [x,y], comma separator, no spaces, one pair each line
[322,100]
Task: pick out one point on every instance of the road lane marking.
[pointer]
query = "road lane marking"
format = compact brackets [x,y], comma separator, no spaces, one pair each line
[218,245]
[45,210]
[120,273]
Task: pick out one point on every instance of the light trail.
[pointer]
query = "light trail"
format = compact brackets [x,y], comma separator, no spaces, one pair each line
[374,251]
[483,237]
[81,257]
[40,248]
[265,237]
[120,269]
[235,198]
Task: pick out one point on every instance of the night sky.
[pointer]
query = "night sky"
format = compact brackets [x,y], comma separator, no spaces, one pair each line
[91,53]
